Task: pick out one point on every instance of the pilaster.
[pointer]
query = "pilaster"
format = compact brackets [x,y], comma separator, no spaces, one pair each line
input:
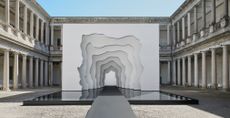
[169,71]
[174,72]
[16,71]
[31,72]
[7,14]
[25,20]
[189,71]
[178,72]
[6,70]
[17,12]
[213,68]
[31,24]
[204,73]
[36,72]
[41,73]
[24,71]
[196,80]
[225,68]
[183,72]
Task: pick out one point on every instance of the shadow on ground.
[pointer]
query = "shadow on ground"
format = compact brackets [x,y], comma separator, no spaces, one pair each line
[213,101]
[25,94]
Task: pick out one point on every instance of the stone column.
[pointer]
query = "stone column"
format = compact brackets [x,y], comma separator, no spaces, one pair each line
[42,32]
[17,12]
[213,68]
[51,74]
[178,72]
[46,73]
[25,20]
[204,13]
[213,11]
[51,36]
[36,72]
[183,28]
[61,37]
[168,34]
[183,72]
[226,8]
[32,24]
[178,31]
[174,72]
[7,14]
[31,73]
[189,71]
[37,29]
[41,73]
[189,23]
[225,68]
[195,20]
[6,69]
[169,71]
[24,58]
[16,71]
[204,79]
[174,36]
[47,33]
[196,81]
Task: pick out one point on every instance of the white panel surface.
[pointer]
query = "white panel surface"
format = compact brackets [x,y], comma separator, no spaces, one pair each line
[148,34]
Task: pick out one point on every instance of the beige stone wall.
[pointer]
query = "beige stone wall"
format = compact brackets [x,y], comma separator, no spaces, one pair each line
[164,73]
[57,74]
[163,35]
[1,70]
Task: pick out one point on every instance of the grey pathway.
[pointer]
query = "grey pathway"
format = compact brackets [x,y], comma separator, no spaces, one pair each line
[210,100]
[109,105]
[25,94]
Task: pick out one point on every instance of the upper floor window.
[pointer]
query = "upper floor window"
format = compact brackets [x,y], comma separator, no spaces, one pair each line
[58,42]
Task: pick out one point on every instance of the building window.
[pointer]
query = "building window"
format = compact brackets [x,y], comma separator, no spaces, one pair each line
[58,42]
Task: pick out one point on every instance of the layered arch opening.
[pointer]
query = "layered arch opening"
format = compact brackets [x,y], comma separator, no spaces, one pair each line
[102,54]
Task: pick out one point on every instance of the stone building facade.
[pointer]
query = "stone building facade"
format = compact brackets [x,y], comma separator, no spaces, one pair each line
[194,44]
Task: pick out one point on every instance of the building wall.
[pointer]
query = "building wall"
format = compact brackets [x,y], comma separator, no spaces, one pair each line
[57,74]
[1,70]
[219,68]
[208,64]
[30,48]
[164,73]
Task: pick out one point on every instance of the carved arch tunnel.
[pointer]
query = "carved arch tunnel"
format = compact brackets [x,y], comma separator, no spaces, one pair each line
[102,54]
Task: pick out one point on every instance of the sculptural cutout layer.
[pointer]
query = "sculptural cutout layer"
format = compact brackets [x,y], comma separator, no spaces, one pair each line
[102,54]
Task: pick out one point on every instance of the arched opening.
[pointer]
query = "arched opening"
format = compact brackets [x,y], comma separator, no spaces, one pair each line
[106,69]
[110,78]
[111,62]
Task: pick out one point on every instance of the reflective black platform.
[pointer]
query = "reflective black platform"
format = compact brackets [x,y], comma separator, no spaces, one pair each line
[134,97]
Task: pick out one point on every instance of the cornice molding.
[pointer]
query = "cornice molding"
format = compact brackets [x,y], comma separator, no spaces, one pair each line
[113,20]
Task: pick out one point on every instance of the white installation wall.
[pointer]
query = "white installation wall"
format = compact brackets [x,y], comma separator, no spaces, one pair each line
[74,34]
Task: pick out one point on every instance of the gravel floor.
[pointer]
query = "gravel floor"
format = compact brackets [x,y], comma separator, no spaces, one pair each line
[171,111]
[15,110]
[212,105]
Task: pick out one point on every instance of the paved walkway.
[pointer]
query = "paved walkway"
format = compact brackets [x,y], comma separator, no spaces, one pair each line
[210,100]
[109,105]
[23,94]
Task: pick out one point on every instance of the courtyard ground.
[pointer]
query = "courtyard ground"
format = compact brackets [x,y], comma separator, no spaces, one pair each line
[213,104]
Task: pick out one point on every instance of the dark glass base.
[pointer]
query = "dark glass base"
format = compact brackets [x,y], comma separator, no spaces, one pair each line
[134,97]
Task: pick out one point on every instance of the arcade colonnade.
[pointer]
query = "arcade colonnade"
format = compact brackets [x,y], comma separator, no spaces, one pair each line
[25,43]
[194,43]
[199,39]
[23,71]
[206,69]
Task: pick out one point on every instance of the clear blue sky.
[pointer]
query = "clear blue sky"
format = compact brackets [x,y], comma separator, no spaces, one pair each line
[110,7]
